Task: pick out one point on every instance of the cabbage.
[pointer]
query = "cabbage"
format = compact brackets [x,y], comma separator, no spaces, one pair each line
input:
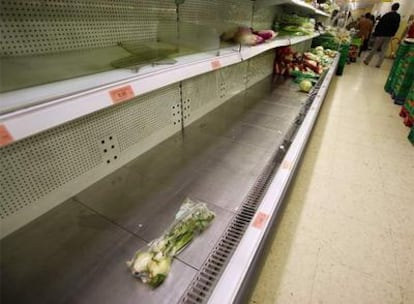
[305,85]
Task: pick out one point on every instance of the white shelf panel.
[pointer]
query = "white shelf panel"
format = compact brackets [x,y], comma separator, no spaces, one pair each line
[322,13]
[252,51]
[300,39]
[60,102]
[56,103]
[307,6]
[300,4]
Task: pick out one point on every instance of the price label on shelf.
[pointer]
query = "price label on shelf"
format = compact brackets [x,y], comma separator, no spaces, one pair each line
[287,165]
[122,94]
[260,220]
[215,64]
[5,136]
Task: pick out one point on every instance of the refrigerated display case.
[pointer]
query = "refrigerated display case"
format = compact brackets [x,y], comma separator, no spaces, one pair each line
[407,109]
[97,157]
[401,75]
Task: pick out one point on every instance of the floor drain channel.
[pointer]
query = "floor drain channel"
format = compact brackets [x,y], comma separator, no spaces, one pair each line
[202,285]
[204,282]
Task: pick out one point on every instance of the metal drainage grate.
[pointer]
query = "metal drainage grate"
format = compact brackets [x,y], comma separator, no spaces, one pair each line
[202,285]
[204,282]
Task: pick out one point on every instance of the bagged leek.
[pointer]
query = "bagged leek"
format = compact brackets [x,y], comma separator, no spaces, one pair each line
[153,265]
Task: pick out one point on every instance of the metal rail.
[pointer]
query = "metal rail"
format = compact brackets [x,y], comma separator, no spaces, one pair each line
[233,278]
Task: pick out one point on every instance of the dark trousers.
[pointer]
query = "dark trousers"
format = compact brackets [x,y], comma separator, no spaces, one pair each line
[380,46]
[364,46]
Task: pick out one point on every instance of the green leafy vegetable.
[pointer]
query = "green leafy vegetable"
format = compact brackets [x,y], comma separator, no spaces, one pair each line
[153,265]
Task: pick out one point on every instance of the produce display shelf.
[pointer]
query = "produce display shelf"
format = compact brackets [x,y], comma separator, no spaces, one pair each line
[29,111]
[306,7]
[77,250]
[299,39]
[230,286]
[249,52]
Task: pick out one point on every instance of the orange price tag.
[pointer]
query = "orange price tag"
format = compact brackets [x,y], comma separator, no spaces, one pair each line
[5,136]
[260,220]
[215,64]
[286,165]
[122,94]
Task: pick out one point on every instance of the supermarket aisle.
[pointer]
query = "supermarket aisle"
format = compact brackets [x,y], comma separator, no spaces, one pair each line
[346,234]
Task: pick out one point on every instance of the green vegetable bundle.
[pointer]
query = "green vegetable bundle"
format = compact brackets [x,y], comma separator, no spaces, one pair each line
[292,19]
[153,265]
[299,76]
[294,25]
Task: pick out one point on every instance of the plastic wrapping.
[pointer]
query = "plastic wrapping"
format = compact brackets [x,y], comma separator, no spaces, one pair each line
[153,263]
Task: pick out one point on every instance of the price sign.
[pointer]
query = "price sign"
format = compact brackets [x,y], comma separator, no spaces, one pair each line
[215,64]
[260,220]
[5,136]
[121,94]
[287,165]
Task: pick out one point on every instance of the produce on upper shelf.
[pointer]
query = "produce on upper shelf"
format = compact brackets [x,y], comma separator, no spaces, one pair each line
[292,19]
[340,35]
[153,264]
[307,66]
[247,36]
[294,25]
[328,6]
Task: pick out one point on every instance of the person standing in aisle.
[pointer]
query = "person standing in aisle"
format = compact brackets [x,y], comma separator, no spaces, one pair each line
[384,31]
[365,28]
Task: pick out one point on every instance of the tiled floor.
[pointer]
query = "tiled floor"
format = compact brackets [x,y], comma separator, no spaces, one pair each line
[346,234]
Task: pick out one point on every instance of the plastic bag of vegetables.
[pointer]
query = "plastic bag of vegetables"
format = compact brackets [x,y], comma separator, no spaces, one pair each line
[153,264]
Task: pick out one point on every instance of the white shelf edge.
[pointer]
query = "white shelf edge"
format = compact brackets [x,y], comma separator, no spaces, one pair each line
[322,13]
[248,52]
[308,6]
[299,3]
[302,4]
[300,39]
[236,271]
[37,118]
[29,121]
[252,51]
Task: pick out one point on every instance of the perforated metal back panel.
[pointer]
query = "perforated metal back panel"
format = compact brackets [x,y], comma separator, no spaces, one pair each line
[39,165]
[204,93]
[200,95]
[217,13]
[48,26]
[263,17]
[234,77]
[302,46]
[260,67]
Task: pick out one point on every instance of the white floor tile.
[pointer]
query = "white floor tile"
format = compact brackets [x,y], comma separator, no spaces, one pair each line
[364,203]
[360,246]
[404,253]
[340,284]
[399,210]
[346,234]
[280,280]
